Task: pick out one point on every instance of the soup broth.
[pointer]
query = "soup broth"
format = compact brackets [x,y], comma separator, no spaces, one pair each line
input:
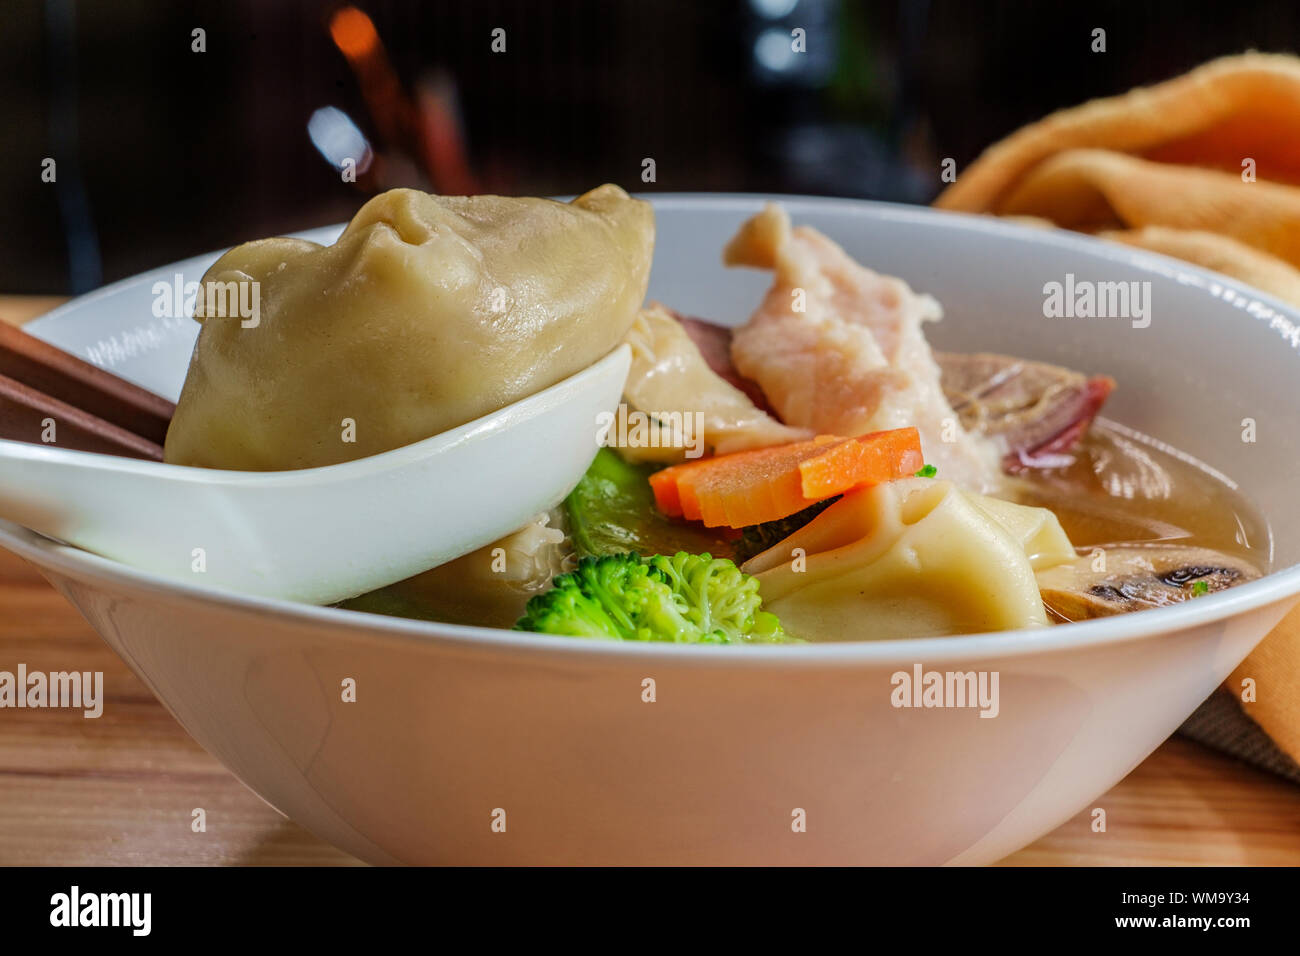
[1123,487]
[1117,487]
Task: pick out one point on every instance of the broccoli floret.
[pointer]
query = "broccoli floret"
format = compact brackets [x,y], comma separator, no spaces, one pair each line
[686,598]
[617,596]
[720,598]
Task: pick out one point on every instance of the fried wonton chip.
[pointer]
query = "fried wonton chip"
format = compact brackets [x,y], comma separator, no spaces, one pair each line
[1216,115]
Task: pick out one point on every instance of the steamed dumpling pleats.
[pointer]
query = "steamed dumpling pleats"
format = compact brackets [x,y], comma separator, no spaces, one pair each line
[910,558]
[683,405]
[428,312]
[1037,529]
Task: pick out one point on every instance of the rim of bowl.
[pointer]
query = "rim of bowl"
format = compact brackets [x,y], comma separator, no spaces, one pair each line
[1275,587]
[81,565]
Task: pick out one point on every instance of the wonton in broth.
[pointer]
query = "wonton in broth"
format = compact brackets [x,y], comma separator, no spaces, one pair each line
[816,474]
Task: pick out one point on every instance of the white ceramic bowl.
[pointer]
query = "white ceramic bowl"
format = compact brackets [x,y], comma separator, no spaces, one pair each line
[453,724]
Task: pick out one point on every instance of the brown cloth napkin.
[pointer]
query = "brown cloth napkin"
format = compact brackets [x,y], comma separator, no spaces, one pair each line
[1206,168]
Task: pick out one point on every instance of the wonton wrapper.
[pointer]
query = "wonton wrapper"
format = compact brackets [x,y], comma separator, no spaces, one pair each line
[670,376]
[912,558]
[486,588]
[1038,530]
[428,312]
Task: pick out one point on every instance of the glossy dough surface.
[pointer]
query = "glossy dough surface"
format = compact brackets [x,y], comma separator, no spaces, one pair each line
[669,375]
[428,312]
[911,558]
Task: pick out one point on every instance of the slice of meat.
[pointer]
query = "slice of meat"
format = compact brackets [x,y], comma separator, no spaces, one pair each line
[714,343]
[1032,411]
[840,349]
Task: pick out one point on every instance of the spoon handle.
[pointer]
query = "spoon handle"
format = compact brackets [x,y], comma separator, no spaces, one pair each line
[52,397]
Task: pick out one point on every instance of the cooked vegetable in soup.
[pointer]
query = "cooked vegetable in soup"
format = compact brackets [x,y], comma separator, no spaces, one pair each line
[816,474]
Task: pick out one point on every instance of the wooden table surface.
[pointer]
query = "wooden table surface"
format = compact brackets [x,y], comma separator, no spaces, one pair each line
[119,790]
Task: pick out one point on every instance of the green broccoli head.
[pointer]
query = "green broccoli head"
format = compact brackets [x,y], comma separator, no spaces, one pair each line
[720,599]
[685,598]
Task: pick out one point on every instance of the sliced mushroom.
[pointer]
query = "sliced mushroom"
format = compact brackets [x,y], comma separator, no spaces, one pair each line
[1137,577]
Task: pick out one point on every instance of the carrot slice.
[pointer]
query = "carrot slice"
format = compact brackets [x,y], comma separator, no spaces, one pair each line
[868,459]
[751,487]
[676,494]
[664,485]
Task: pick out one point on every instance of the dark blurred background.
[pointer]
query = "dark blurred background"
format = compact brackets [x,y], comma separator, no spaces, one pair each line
[163,152]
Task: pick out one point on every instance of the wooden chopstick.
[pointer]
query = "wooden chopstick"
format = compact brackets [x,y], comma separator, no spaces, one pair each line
[89,409]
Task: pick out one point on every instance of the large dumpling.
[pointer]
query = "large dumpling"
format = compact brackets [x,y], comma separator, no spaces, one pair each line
[428,312]
[911,558]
